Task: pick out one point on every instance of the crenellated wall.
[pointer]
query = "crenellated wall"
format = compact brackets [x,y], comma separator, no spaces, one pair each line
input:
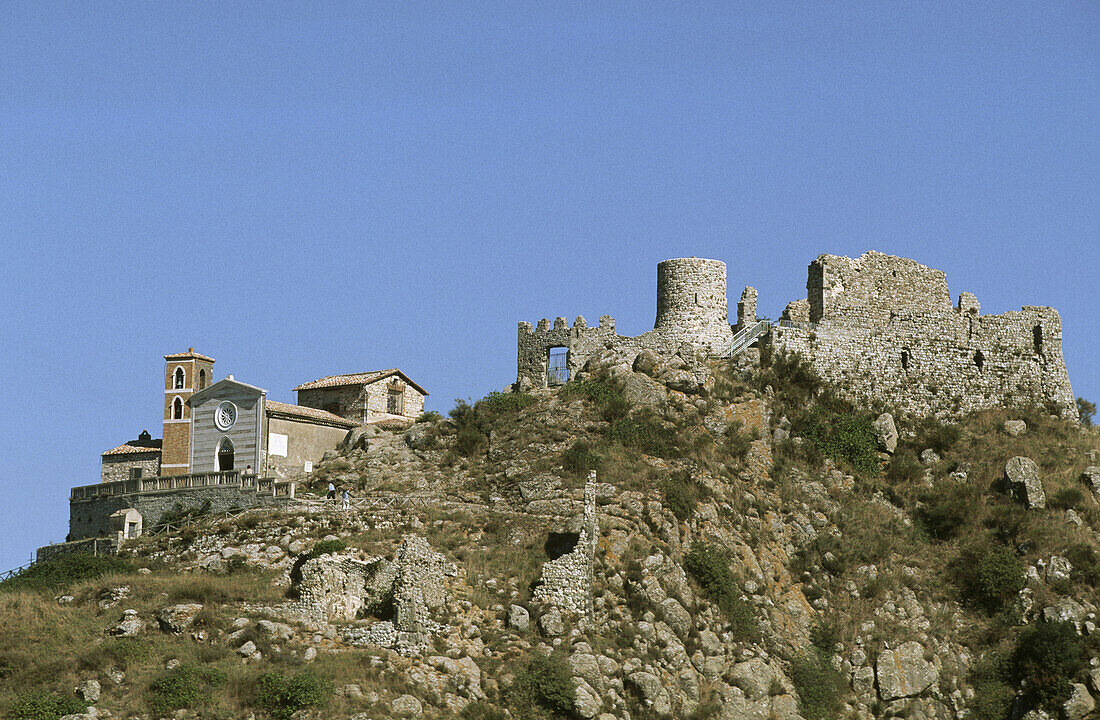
[880,326]
[691,311]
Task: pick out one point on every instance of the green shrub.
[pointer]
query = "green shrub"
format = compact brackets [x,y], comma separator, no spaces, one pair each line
[1066,499]
[497,404]
[283,696]
[605,395]
[790,375]
[820,686]
[824,635]
[904,468]
[469,440]
[543,683]
[841,434]
[325,547]
[429,416]
[43,705]
[647,434]
[1086,564]
[63,571]
[737,443]
[581,458]
[1086,410]
[992,684]
[1047,658]
[481,711]
[184,687]
[680,497]
[710,567]
[949,507]
[992,576]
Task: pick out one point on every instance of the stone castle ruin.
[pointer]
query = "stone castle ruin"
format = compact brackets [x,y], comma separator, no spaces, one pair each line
[881,327]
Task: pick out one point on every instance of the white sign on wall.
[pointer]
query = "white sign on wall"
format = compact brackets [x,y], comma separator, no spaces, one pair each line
[276,444]
[309,466]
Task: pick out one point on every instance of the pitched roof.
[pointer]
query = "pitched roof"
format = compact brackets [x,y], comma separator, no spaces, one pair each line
[308,413]
[128,449]
[361,378]
[187,355]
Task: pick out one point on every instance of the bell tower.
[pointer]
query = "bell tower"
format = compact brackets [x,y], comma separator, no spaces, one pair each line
[184,375]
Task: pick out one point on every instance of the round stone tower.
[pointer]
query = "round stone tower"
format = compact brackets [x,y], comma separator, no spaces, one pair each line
[691,299]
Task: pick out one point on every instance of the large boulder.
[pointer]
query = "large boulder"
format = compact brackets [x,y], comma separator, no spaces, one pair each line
[129,626]
[886,432]
[178,618]
[1015,428]
[1080,703]
[904,672]
[651,691]
[356,439]
[1022,481]
[419,436]
[518,617]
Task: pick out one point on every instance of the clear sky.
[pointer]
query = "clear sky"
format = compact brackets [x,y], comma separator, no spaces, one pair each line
[302,189]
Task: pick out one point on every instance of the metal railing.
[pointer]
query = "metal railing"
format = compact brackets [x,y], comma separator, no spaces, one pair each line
[745,337]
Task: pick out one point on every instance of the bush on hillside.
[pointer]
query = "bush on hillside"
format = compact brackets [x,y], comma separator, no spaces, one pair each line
[647,434]
[991,576]
[65,570]
[1066,499]
[282,695]
[710,567]
[581,458]
[429,416]
[326,547]
[1047,658]
[948,508]
[1086,410]
[991,679]
[680,495]
[605,395]
[820,686]
[184,687]
[543,683]
[44,705]
[841,434]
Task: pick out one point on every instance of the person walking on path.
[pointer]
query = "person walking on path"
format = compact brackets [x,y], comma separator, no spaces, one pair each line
[346,498]
[332,493]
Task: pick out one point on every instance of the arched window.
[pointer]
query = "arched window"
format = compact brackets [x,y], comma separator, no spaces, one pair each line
[177,409]
[1037,338]
[225,454]
[979,359]
[202,379]
[179,378]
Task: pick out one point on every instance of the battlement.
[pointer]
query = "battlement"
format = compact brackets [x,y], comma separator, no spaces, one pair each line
[881,327]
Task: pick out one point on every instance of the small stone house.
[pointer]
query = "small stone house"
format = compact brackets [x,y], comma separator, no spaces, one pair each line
[132,460]
[365,397]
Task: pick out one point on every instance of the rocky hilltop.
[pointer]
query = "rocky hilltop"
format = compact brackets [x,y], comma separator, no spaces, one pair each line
[662,537]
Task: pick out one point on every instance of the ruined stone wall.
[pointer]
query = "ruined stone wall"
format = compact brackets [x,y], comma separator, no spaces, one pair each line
[886,331]
[691,311]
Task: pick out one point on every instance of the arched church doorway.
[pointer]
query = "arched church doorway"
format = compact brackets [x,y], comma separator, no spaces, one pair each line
[225,455]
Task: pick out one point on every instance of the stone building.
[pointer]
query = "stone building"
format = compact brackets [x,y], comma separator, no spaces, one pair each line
[365,397]
[184,375]
[691,312]
[132,460]
[882,327]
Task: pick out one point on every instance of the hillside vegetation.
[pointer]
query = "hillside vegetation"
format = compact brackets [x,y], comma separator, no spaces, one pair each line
[759,555]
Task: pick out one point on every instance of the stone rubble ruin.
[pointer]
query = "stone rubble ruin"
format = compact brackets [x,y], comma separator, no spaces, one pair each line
[881,327]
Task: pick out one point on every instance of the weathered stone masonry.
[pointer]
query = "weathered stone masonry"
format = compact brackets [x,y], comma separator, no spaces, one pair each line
[882,327]
[691,311]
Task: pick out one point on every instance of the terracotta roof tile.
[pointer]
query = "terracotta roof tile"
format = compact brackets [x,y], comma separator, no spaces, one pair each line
[128,449]
[189,354]
[361,378]
[308,413]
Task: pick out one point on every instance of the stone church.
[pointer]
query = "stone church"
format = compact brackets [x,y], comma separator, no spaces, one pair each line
[216,426]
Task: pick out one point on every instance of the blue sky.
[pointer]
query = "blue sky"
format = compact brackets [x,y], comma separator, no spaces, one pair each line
[301,189]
